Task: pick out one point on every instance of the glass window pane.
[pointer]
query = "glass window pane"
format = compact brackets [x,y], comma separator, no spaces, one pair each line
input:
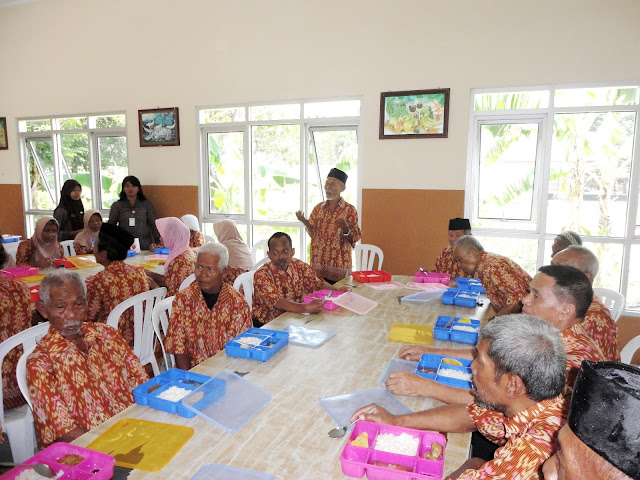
[263,232]
[275,112]
[108,121]
[633,288]
[344,108]
[42,194]
[112,153]
[587,97]
[511,100]
[74,123]
[36,125]
[590,173]
[276,172]
[610,260]
[522,251]
[222,115]
[506,173]
[226,173]
[75,154]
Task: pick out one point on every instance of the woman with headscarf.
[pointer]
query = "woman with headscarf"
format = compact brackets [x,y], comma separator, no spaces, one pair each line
[181,261]
[70,210]
[43,247]
[86,239]
[240,258]
[563,240]
[196,238]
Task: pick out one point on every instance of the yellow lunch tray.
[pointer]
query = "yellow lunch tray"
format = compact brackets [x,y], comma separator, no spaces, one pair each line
[32,278]
[411,333]
[83,261]
[142,444]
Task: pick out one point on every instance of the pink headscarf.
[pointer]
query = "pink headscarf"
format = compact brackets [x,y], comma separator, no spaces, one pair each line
[228,235]
[87,237]
[175,236]
[45,250]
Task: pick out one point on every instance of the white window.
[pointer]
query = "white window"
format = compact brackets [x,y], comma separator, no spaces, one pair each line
[90,149]
[254,169]
[545,160]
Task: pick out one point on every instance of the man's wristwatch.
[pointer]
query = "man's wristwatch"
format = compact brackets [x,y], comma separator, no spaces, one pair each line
[346,234]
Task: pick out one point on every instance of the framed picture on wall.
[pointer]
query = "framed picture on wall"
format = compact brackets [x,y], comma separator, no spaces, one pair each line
[4,142]
[159,127]
[414,114]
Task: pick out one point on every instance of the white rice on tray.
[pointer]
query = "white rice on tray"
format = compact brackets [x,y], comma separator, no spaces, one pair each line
[249,341]
[404,444]
[174,394]
[30,474]
[451,373]
[465,329]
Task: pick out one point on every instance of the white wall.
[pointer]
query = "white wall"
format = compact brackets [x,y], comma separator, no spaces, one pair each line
[79,56]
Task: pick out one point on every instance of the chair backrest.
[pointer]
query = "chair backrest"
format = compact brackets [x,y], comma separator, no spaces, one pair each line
[613,300]
[626,354]
[365,256]
[208,238]
[21,374]
[67,245]
[245,280]
[259,263]
[143,334]
[187,281]
[160,317]
[262,244]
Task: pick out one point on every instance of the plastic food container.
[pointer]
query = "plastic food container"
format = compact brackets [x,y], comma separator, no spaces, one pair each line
[63,262]
[131,253]
[422,297]
[430,366]
[366,276]
[324,295]
[161,383]
[472,284]
[397,365]
[307,337]
[19,272]
[10,238]
[94,465]
[35,293]
[214,470]
[432,277]
[462,298]
[449,328]
[411,333]
[356,303]
[378,465]
[271,342]
[162,251]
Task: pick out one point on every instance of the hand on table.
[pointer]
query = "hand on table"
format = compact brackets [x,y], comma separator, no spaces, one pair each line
[409,384]
[379,415]
[314,306]
[344,288]
[413,352]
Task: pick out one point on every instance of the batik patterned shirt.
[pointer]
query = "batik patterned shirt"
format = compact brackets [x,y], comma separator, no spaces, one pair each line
[180,268]
[70,388]
[15,316]
[112,286]
[196,239]
[200,332]
[579,346]
[270,284]
[330,249]
[600,326]
[528,439]
[26,253]
[503,279]
[446,264]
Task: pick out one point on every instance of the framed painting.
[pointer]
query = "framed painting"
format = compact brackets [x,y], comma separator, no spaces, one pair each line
[4,142]
[159,127]
[414,114]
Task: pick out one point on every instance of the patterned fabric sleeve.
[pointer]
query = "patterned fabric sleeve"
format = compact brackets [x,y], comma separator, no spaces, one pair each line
[599,325]
[265,294]
[94,299]
[24,254]
[504,280]
[352,221]
[180,268]
[310,281]
[175,342]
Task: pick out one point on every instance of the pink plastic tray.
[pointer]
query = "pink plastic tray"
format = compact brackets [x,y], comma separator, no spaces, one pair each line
[355,303]
[322,295]
[356,461]
[432,277]
[19,272]
[95,466]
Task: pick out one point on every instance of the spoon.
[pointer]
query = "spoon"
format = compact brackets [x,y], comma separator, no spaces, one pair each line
[339,432]
[40,468]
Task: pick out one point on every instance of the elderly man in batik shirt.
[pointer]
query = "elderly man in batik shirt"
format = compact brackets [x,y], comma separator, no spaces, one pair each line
[206,314]
[503,279]
[281,285]
[117,282]
[334,231]
[445,263]
[81,373]
[514,405]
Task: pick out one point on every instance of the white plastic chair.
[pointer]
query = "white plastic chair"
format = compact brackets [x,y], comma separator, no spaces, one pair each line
[17,423]
[143,334]
[262,244]
[365,256]
[260,263]
[160,318]
[208,238]
[629,350]
[187,281]
[245,280]
[69,250]
[613,300]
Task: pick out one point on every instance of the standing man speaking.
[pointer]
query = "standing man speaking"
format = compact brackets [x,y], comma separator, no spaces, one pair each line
[334,231]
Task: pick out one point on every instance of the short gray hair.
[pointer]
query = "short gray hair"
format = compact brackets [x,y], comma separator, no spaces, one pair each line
[57,279]
[468,242]
[213,248]
[530,348]
[587,261]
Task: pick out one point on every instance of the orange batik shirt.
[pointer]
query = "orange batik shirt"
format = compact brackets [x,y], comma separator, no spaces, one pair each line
[112,286]
[70,389]
[330,249]
[15,316]
[503,279]
[270,284]
[196,239]
[446,264]
[180,268]
[528,439]
[200,332]
[26,252]
[579,346]
[600,326]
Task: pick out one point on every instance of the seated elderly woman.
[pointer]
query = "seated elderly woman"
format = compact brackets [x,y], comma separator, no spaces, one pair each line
[240,258]
[81,373]
[42,248]
[196,237]
[86,239]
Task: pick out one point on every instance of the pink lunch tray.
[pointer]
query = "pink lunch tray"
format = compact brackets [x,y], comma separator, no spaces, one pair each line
[356,461]
[432,277]
[19,272]
[322,295]
[95,466]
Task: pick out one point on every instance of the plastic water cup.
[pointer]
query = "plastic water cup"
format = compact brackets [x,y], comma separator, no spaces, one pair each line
[136,245]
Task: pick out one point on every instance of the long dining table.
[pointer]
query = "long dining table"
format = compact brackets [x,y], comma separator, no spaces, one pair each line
[288,437]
